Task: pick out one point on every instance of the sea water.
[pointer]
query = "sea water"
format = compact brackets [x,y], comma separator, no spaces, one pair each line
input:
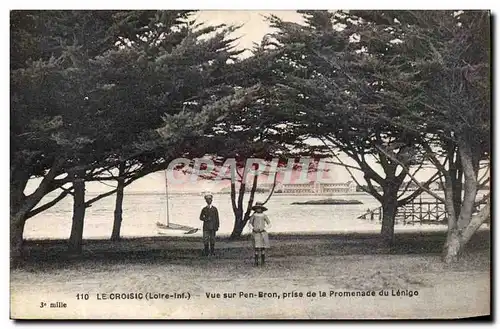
[141,211]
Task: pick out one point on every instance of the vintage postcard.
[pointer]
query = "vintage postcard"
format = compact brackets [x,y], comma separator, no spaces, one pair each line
[311,164]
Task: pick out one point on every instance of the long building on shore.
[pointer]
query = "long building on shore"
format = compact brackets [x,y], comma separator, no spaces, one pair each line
[312,187]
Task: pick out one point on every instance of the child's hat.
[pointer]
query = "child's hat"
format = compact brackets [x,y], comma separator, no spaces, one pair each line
[259,205]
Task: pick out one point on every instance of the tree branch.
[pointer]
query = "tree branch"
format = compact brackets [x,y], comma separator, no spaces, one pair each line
[419,191]
[233,198]
[371,190]
[483,184]
[99,197]
[382,157]
[69,190]
[441,183]
[408,184]
[272,189]
[125,184]
[343,165]
[48,205]
[250,200]
[412,177]
[405,189]
[241,194]
[43,188]
[369,172]
[481,201]
[337,145]
[363,166]
[432,158]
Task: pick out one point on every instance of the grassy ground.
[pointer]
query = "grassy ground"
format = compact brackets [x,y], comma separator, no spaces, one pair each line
[296,264]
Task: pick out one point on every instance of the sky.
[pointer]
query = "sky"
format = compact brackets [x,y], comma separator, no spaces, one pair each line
[254,23]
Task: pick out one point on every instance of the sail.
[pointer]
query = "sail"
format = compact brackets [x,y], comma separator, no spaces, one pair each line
[173,226]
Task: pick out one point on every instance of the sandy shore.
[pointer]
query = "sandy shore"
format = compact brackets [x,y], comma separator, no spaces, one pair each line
[306,277]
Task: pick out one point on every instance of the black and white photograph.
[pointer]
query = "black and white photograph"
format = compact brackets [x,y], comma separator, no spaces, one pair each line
[250,164]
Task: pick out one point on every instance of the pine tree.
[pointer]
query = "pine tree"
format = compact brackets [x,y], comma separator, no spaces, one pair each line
[346,79]
[89,91]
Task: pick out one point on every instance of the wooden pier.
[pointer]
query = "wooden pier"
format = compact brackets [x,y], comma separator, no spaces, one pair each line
[419,211]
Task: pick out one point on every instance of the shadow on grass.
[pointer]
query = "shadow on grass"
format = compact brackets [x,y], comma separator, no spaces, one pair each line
[53,253]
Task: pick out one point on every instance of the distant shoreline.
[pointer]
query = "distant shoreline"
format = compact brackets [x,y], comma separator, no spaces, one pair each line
[227,193]
[327,202]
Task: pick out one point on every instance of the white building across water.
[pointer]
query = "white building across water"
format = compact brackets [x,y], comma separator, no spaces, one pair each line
[313,187]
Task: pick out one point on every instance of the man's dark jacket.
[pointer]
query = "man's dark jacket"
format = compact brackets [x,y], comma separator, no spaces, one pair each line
[210,218]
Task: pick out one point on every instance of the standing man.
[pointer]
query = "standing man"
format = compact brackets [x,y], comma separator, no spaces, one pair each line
[210,217]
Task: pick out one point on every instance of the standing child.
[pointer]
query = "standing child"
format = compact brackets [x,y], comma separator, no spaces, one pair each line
[258,223]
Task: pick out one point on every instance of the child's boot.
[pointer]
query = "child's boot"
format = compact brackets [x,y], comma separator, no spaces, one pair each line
[263,258]
[256,262]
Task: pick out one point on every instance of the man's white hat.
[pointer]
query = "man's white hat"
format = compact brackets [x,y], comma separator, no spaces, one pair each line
[208,195]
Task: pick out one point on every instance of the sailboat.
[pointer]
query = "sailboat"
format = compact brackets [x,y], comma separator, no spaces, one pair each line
[173,226]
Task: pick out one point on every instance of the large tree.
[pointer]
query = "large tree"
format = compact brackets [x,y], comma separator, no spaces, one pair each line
[336,71]
[89,89]
[254,126]
[180,71]
[451,53]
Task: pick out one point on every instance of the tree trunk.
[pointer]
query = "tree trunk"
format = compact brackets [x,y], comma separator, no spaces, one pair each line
[240,219]
[452,247]
[76,237]
[18,181]
[469,190]
[455,175]
[463,225]
[389,209]
[239,225]
[250,199]
[476,222]
[21,205]
[117,223]
[17,223]
[457,239]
